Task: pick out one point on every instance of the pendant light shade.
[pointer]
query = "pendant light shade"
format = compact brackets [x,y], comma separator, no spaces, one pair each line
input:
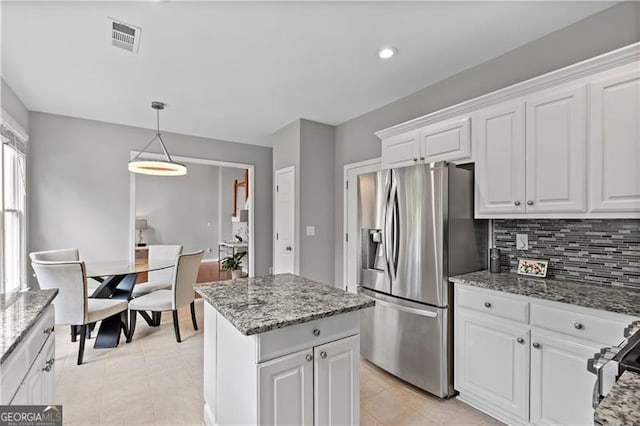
[166,167]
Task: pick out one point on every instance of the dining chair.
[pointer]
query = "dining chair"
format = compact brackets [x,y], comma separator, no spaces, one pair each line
[72,305]
[161,279]
[179,295]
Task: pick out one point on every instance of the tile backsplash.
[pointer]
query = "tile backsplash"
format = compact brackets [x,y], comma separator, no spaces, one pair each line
[593,250]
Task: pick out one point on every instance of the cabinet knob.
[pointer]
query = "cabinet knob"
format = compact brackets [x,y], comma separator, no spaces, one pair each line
[516,203]
[323,354]
[520,340]
[316,332]
[48,330]
[309,357]
[577,325]
[288,248]
[422,158]
[415,159]
[530,202]
[536,345]
[48,365]
[487,304]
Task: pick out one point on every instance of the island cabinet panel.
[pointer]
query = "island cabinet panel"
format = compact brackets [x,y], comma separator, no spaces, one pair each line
[615,141]
[286,390]
[337,386]
[561,386]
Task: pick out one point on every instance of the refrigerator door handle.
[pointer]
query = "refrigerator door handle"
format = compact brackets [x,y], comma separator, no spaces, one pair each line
[387,228]
[391,229]
[396,230]
[407,309]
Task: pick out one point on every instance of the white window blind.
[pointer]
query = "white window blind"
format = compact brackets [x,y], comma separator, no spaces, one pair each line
[13,223]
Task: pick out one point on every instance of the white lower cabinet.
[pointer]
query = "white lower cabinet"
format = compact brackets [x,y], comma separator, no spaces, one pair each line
[38,386]
[561,386]
[522,373]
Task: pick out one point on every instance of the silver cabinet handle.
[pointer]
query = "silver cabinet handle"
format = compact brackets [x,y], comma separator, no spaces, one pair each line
[520,340]
[288,248]
[516,203]
[323,354]
[308,357]
[316,332]
[49,365]
[48,330]
[415,159]
[530,202]
[487,304]
[536,345]
[577,325]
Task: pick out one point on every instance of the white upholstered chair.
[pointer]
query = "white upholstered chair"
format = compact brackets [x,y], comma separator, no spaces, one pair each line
[72,304]
[158,280]
[179,295]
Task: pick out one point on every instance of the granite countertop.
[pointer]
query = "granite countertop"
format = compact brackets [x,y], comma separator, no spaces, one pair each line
[597,296]
[621,406]
[256,305]
[18,313]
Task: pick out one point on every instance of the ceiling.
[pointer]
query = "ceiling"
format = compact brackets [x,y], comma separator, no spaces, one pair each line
[239,71]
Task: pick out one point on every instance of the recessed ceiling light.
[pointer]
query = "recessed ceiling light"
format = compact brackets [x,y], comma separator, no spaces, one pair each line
[387,52]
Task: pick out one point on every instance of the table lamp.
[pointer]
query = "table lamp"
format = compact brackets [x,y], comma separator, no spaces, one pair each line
[141,224]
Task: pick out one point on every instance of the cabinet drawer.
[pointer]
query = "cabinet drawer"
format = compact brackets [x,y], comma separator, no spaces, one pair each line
[584,325]
[492,304]
[284,341]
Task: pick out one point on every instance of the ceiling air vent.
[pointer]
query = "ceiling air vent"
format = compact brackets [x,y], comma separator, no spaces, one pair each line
[124,36]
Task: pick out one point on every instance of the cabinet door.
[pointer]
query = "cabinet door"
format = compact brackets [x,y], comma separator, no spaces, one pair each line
[38,387]
[556,148]
[498,136]
[337,387]
[615,141]
[561,386]
[446,141]
[286,390]
[400,151]
[492,362]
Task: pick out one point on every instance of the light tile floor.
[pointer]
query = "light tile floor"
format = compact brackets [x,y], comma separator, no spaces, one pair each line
[155,380]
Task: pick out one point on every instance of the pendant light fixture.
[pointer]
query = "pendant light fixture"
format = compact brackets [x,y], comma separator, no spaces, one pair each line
[166,167]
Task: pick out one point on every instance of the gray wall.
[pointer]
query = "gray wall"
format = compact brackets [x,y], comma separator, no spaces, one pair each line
[14,106]
[355,140]
[181,210]
[79,184]
[310,147]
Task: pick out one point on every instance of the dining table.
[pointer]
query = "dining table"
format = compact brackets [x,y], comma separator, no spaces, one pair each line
[116,281]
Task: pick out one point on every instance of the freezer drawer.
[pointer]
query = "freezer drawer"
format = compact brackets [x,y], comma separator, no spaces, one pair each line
[408,340]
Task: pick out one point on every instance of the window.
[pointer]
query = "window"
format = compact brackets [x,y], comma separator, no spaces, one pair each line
[13,224]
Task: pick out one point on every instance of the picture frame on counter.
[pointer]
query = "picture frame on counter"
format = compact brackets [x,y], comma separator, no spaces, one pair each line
[533,267]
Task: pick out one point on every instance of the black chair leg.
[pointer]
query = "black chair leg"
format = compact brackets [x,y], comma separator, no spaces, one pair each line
[83,338]
[74,333]
[132,325]
[176,326]
[124,323]
[193,315]
[158,318]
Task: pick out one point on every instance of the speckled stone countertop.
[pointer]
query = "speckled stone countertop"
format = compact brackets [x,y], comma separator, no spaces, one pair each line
[18,313]
[607,298]
[621,406]
[256,305]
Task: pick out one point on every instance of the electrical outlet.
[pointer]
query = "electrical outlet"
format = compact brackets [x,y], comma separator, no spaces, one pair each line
[311,231]
[522,241]
[270,270]
[208,249]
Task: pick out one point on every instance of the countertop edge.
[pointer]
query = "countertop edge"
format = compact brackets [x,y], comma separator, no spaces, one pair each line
[27,328]
[611,409]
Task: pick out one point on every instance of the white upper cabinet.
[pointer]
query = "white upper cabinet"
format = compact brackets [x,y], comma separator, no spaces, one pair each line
[448,140]
[615,141]
[556,147]
[498,137]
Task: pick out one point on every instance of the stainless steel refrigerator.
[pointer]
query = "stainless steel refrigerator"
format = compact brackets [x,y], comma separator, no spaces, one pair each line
[416,230]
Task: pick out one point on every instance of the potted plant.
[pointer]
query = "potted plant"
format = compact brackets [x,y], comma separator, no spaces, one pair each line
[234,264]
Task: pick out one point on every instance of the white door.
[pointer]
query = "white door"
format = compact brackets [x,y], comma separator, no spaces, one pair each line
[337,386]
[352,236]
[286,390]
[446,141]
[400,151]
[556,150]
[498,139]
[285,198]
[615,141]
[561,386]
[492,362]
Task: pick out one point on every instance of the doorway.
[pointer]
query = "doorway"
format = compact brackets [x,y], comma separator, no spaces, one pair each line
[285,246]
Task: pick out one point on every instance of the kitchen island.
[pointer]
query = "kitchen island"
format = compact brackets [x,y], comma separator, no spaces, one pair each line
[281,349]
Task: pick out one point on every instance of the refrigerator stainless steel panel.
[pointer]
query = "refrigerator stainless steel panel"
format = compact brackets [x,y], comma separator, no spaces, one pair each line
[373,194]
[417,210]
[409,340]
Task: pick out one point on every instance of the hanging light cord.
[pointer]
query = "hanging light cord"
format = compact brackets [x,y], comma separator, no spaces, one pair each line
[157,136]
